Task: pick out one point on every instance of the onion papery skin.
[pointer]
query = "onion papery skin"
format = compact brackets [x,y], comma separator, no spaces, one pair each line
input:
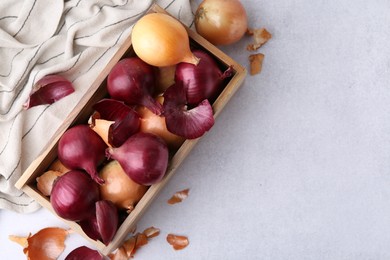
[203,81]
[82,148]
[133,81]
[189,124]
[74,195]
[126,120]
[161,40]
[143,157]
[84,253]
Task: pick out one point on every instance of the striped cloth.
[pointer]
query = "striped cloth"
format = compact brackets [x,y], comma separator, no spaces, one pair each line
[73,38]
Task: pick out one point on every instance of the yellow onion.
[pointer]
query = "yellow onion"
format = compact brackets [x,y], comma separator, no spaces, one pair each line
[161,40]
[221,22]
[119,188]
[152,123]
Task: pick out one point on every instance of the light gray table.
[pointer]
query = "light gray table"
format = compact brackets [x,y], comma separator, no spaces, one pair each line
[298,164]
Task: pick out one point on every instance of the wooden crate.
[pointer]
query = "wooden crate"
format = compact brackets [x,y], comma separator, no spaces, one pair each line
[27,183]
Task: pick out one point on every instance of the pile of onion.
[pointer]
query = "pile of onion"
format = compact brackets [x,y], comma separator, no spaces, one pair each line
[106,167]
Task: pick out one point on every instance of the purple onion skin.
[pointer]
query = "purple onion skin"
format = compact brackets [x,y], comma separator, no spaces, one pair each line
[133,81]
[90,228]
[48,90]
[190,124]
[144,158]
[84,253]
[107,220]
[127,121]
[202,81]
[74,195]
[82,148]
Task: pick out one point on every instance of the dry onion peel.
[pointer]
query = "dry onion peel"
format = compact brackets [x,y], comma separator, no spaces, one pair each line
[58,166]
[261,36]
[151,232]
[132,244]
[256,63]
[179,196]
[48,243]
[177,242]
[161,40]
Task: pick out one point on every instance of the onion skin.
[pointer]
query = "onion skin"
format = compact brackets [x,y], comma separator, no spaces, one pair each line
[74,195]
[203,81]
[107,220]
[119,188]
[190,124]
[90,228]
[221,22]
[133,81]
[144,158]
[125,118]
[82,148]
[48,90]
[161,40]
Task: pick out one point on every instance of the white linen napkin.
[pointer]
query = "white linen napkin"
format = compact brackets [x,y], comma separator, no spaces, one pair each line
[73,38]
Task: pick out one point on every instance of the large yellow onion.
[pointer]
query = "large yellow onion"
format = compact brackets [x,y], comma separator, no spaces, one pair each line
[221,22]
[161,40]
[119,188]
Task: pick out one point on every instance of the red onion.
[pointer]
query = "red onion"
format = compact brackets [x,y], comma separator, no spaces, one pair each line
[107,220]
[83,253]
[103,224]
[90,227]
[48,90]
[191,123]
[143,157]
[74,195]
[127,121]
[133,81]
[82,148]
[202,81]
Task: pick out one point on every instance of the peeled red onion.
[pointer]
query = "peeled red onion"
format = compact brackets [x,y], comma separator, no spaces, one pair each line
[82,148]
[133,81]
[202,81]
[74,195]
[143,157]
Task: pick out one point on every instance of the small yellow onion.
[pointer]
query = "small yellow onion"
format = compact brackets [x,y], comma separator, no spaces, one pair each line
[119,188]
[152,123]
[161,40]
